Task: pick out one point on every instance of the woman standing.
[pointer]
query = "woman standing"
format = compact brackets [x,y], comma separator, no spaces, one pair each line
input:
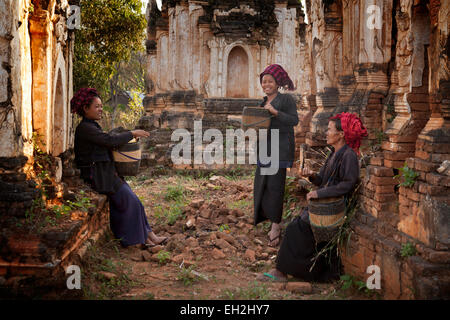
[92,156]
[337,177]
[268,192]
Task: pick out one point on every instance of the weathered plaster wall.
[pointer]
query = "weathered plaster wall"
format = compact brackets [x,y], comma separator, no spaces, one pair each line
[193,54]
[36,53]
[15,79]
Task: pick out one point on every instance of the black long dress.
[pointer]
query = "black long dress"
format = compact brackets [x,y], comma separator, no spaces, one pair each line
[298,246]
[268,190]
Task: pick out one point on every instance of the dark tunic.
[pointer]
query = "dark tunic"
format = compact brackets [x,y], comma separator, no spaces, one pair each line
[268,190]
[298,246]
[92,155]
[345,161]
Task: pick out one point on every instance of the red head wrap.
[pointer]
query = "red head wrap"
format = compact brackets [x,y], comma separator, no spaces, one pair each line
[281,76]
[82,98]
[353,129]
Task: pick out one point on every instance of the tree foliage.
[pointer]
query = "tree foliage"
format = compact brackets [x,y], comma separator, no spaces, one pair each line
[127,80]
[111,30]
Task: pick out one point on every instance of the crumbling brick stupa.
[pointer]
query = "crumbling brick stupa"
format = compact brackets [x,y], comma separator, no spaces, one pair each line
[388,62]
[204,60]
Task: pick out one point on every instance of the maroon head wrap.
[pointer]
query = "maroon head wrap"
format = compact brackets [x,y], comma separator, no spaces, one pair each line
[82,98]
[281,76]
[353,129]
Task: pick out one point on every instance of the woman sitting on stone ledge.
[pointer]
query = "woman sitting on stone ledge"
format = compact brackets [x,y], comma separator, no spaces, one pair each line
[338,177]
[92,156]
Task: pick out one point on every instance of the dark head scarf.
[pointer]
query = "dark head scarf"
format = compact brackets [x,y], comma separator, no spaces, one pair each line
[353,128]
[82,98]
[281,76]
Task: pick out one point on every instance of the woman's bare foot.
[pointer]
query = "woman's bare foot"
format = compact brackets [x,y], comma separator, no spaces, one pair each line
[152,237]
[274,235]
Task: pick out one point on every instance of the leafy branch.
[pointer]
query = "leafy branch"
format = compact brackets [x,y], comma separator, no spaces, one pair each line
[409,176]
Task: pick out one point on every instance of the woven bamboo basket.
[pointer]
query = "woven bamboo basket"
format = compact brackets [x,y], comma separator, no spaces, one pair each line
[127,159]
[326,215]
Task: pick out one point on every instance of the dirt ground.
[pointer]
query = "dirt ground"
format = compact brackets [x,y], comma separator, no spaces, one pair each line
[213,252]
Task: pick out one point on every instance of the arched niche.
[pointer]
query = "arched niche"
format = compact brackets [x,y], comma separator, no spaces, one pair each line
[237,84]
[59,126]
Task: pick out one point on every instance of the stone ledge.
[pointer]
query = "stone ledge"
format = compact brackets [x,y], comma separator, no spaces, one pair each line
[34,263]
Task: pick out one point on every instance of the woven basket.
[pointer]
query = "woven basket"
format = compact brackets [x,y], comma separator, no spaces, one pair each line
[326,215]
[127,159]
